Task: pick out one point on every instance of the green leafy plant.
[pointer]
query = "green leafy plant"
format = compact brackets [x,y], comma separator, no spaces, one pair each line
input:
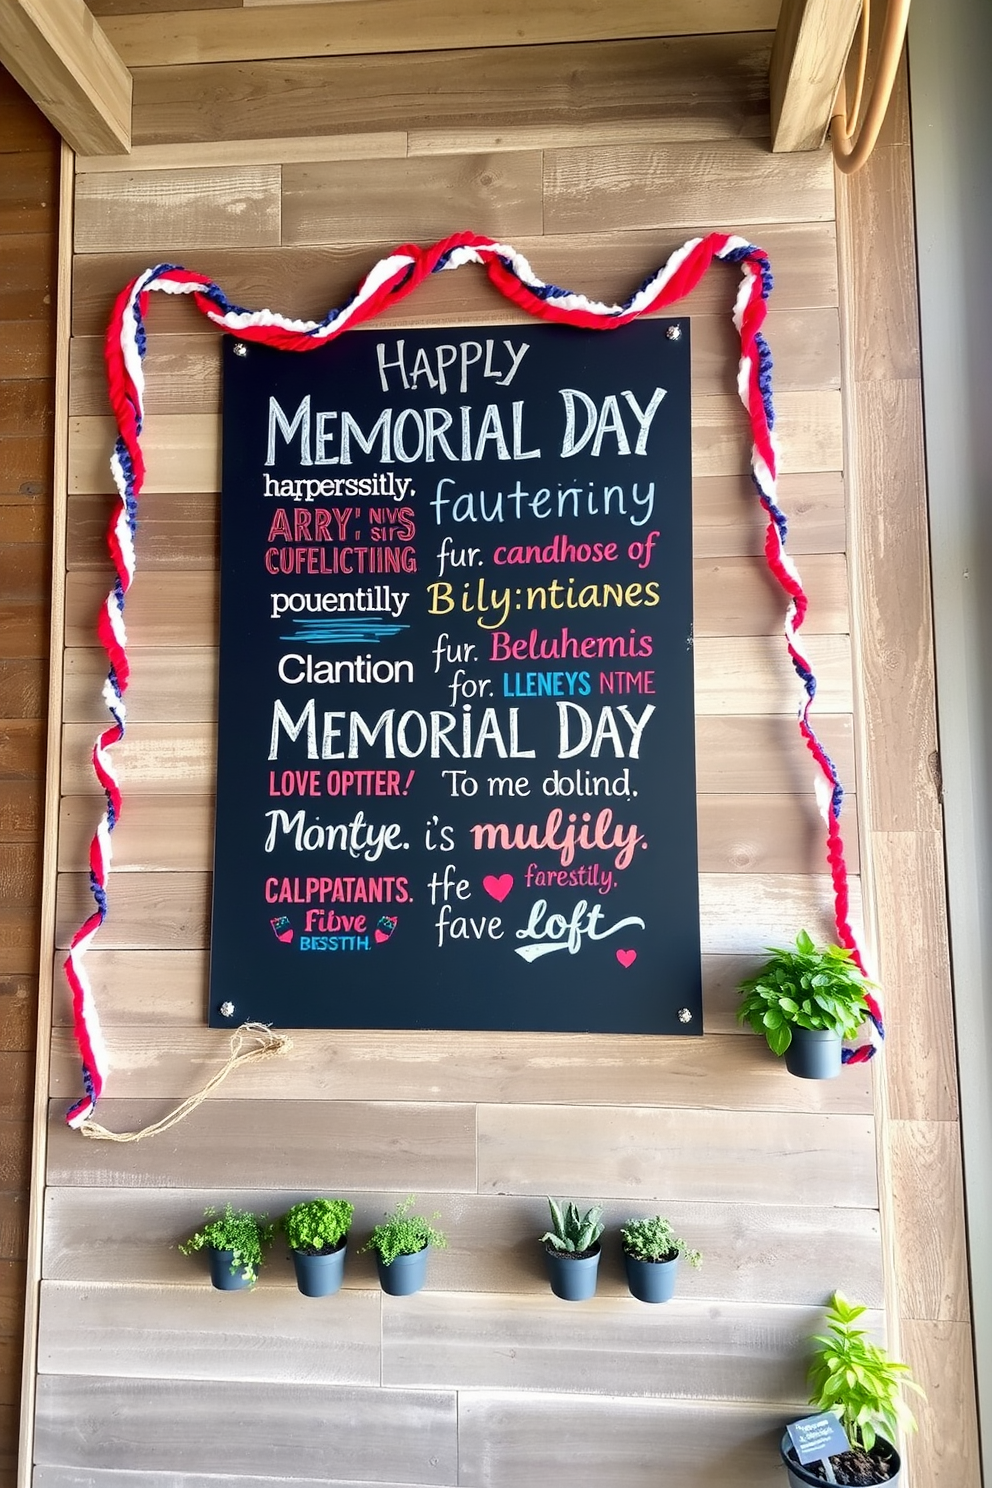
[241,1232]
[403,1233]
[857,1380]
[573,1233]
[804,988]
[653,1239]
[317,1226]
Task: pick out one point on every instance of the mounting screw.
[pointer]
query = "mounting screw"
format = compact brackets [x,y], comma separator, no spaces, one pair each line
[684,1015]
[227,1010]
[240,349]
[674,333]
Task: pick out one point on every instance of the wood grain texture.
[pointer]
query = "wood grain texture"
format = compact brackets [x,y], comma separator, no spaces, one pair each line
[359,201]
[928,1198]
[183,451]
[306,282]
[739,913]
[634,185]
[318,1145]
[64,60]
[752,1253]
[183,372]
[722,1071]
[172,832]
[611,1346]
[192,1333]
[181,531]
[26,349]
[95,1477]
[18,999]
[643,1153]
[153,758]
[940,1355]
[27,273]
[366,146]
[295,30]
[812,41]
[453,96]
[909,872]
[276,1429]
[28,184]
[506,1439]
[13,1225]
[178,209]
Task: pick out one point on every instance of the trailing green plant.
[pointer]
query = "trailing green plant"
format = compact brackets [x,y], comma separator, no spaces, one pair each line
[804,988]
[653,1239]
[317,1226]
[403,1233]
[573,1233]
[857,1380]
[241,1232]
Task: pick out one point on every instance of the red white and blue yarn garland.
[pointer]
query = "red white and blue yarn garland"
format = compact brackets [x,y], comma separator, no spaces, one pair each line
[391,279]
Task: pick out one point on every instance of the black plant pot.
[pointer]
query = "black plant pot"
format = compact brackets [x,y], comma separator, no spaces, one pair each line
[803,1477]
[320,1275]
[573,1278]
[651,1281]
[405,1275]
[814,1054]
[223,1277]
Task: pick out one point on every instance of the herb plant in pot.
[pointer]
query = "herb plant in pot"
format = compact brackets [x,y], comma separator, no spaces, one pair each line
[651,1251]
[572,1250]
[317,1232]
[805,1001]
[857,1380]
[402,1244]
[236,1241]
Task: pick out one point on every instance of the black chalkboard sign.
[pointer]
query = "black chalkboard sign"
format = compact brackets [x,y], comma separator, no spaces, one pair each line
[456,770]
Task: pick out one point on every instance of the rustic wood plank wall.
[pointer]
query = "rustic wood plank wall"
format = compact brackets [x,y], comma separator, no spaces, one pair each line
[29,159]
[285,180]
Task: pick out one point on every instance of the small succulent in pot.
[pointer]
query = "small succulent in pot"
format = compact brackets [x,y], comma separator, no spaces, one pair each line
[238,1234]
[317,1226]
[574,1234]
[653,1239]
[806,997]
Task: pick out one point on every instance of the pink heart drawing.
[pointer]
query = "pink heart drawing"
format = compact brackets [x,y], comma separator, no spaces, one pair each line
[626,958]
[498,888]
[380,936]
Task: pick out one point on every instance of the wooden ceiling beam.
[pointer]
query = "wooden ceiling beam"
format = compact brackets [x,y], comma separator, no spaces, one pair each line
[812,41]
[64,62]
[263,30]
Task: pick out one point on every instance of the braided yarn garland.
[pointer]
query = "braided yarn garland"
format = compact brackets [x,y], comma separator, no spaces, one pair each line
[391,279]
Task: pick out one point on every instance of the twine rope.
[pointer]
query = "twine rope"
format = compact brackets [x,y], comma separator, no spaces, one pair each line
[268,1045]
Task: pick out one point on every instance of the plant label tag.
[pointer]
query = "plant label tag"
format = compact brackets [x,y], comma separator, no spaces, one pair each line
[818,1437]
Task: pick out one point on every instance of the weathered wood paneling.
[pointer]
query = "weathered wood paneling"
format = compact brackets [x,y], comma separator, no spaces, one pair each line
[652,1153]
[613,1347]
[717,1072]
[192,1333]
[201,209]
[751,1253]
[315,1144]
[307,281]
[510,1438]
[276,1429]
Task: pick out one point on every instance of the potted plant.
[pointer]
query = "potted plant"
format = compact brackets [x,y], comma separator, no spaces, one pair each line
[857,1380]
[805,1001]
[572,1250]
[402,1244]
[651,1251]
[317,1232]
[236,1241]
